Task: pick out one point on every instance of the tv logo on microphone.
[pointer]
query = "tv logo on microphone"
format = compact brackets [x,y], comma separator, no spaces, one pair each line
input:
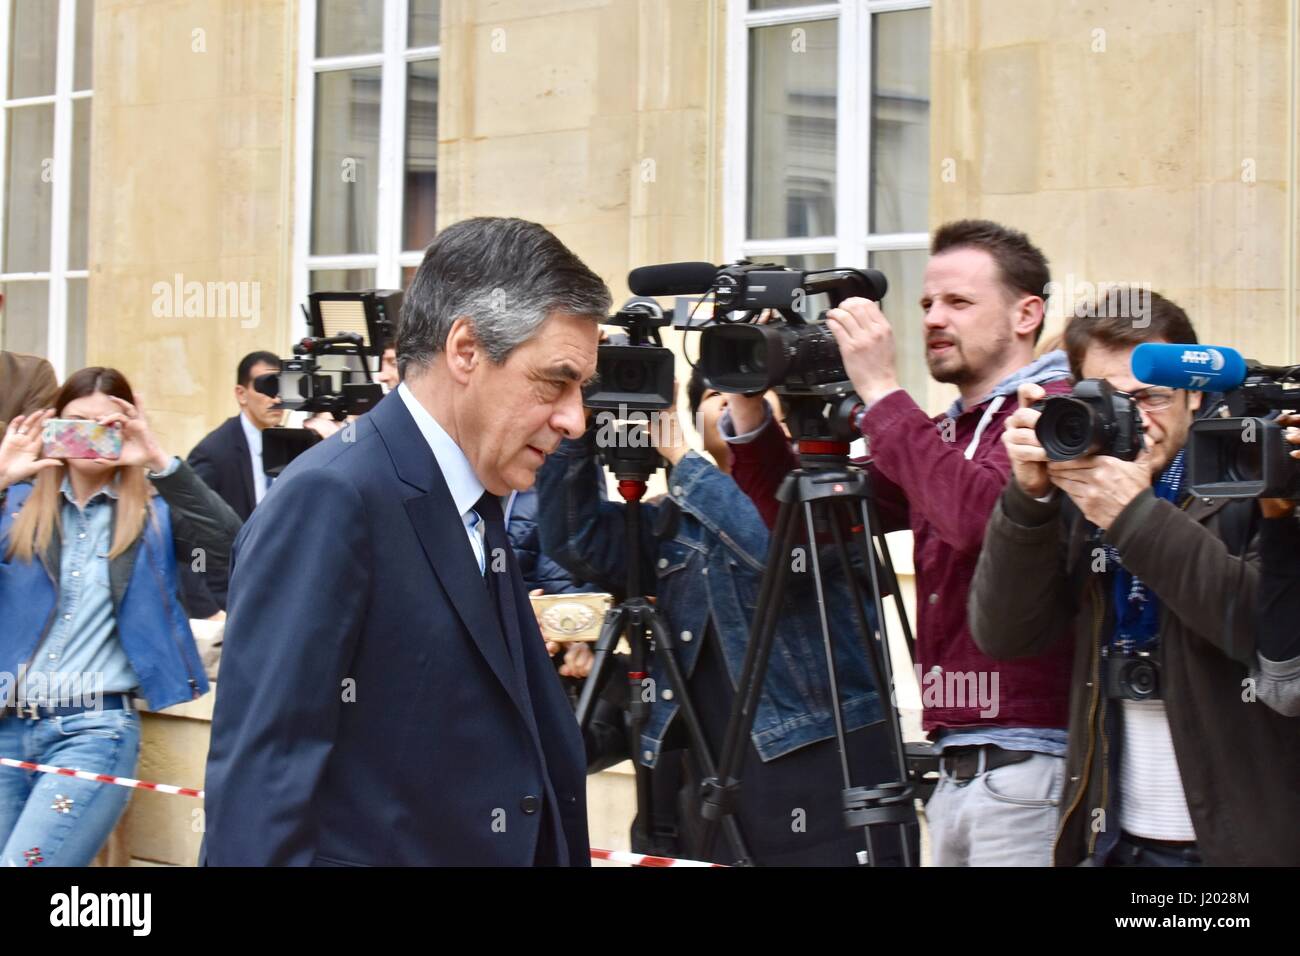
[1211,357]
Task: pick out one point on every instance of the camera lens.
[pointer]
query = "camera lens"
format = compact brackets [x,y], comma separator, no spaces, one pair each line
[1141,679]
[1245,461]
[755,362]
[1066,429]
[629,376]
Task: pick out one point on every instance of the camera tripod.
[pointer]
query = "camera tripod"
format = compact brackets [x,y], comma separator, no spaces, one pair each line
[632,460]
[825,494]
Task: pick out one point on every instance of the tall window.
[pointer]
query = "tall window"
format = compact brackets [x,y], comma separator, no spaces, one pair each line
[45,142]
[828,144]
[367,142]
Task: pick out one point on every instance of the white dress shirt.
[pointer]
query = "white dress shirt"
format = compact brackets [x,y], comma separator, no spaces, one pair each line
[253,435]
[463,484]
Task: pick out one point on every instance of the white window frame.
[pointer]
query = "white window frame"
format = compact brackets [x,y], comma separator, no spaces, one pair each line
[852,242]
[63,97]
[389,259]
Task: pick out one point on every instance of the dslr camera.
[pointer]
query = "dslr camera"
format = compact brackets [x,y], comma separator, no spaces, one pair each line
[1094,419]
[1131,675]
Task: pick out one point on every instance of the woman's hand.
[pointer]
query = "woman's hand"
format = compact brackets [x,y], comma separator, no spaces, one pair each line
[20,449]
[139,446]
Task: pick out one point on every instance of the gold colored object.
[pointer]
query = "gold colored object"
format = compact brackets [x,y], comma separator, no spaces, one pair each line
[571,617]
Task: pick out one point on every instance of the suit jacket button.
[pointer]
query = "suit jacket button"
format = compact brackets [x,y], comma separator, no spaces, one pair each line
[530,804]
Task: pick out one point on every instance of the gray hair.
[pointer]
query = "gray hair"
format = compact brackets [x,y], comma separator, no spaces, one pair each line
[506,276]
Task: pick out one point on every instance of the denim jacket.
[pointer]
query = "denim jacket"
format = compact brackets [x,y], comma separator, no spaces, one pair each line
[702,554]
[151,624]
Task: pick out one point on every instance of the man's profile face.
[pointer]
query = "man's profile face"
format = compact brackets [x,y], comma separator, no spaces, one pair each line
[518,412]
[969,316]
[1167,427]
[262,410]
[388,369]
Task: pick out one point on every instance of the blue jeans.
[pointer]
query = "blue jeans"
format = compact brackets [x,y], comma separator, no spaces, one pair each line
[50,820]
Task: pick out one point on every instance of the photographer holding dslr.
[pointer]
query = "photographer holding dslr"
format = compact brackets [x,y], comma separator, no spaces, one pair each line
[1279,596]
[1170,762]
[1002,752]
[702,552]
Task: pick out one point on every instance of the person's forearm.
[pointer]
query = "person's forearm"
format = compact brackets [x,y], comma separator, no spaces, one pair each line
[1189,569]
[1279,589]
[759,467]
[1019,602]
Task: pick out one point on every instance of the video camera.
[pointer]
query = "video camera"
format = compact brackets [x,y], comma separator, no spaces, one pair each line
[794,353]
[1243,456]
[1094,419]
[330,370]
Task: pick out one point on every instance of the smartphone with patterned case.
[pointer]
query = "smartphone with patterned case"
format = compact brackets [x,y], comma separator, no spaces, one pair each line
[78,438]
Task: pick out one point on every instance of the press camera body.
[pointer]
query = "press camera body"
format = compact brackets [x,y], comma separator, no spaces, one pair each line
[1094,419]
[1131,675]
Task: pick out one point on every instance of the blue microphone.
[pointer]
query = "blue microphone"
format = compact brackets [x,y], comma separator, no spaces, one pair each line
[1205,368]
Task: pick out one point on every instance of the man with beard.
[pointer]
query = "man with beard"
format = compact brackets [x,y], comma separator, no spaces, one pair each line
[999,725]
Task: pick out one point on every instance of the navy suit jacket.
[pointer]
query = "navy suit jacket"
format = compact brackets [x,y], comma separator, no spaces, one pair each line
[368,711]
[221,459]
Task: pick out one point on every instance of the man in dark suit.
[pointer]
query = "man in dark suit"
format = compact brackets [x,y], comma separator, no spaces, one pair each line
[229,460]
[385,696]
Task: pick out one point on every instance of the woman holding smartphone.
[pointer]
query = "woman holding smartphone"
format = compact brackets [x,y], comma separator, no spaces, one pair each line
[89,608]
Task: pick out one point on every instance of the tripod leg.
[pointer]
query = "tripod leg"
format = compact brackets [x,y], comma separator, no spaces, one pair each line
[860,620]
[666,654]
[752,671]
[610,630]
[884,668]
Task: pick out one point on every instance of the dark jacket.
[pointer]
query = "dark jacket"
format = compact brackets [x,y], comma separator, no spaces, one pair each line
[370,712]
[27,384]
[1239,760]
[221,459]
[151,625]
[924,480]
[702,553]
[538,568]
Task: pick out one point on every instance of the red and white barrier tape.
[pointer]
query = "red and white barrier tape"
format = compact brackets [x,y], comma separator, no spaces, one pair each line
[101,777]
[613,856]
[642,859]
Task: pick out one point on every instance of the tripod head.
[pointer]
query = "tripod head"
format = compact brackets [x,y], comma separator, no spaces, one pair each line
[822,428]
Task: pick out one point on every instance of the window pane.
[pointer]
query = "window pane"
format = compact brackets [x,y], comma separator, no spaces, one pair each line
[84,60]
[781,4]
[408,273]
[804,261]
[345,189]
[900,121]
[28,175]
[76,324]
[345,27]
[419,202]
[342,280]
[792,71]
[902,306]
[33,40]
[80,210]
[425,22]
[26,317]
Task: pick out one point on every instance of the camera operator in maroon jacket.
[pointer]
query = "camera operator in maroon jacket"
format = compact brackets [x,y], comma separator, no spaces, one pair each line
[1000,725]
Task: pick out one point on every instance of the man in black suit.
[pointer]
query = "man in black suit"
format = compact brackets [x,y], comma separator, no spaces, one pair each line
[229,460]
[386,697]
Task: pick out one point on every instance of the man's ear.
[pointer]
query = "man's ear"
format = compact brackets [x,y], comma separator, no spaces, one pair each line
[1194,401]
[239,394]
[1030,314]
[462,352]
